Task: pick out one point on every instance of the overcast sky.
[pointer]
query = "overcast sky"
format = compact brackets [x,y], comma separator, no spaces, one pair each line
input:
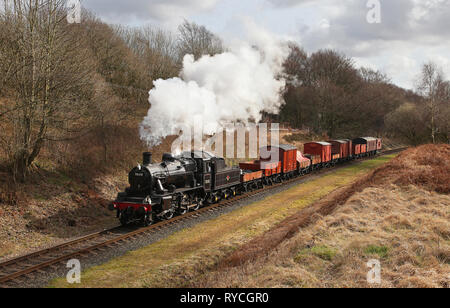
[411,32]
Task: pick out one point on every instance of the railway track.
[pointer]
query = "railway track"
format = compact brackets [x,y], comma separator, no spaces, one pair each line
[13,271]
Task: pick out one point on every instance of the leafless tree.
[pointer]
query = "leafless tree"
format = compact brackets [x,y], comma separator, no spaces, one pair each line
[430,85]
[156,48]
[46,82]
[296,66]
[443,118]
[372,76]
[197,40]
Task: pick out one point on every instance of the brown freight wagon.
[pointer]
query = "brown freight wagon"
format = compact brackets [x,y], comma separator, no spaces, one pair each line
[370,143]
[322,149]
[287,155]
[340,147]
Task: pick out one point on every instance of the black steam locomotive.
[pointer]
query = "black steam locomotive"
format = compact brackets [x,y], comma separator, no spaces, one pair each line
[174,186]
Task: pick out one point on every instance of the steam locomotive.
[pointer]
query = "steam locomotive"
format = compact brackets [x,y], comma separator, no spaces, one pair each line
[190,180]
[176,185]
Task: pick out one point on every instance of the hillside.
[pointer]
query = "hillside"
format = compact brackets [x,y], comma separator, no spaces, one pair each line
[398,214]
[56,205]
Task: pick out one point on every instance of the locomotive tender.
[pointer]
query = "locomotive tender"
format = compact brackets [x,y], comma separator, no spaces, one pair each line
[188,181]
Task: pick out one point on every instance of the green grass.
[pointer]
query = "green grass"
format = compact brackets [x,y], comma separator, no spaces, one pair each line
[323,252]
[381,251]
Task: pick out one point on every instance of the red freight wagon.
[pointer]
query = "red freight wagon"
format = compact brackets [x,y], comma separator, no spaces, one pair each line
[322,149]
[249,176]
[267,168]
[340,147]
[287,156]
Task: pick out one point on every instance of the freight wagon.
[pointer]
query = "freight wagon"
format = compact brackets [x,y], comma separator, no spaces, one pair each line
[320,153]
[287,155]
[340,147]
[369,145]
[304,164]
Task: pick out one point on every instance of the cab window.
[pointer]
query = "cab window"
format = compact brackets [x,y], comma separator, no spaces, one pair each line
[207,168]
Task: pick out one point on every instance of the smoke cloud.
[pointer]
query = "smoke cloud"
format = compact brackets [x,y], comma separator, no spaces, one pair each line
[235,86]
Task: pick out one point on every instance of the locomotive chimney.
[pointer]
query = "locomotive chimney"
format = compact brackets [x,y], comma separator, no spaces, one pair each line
[147,158]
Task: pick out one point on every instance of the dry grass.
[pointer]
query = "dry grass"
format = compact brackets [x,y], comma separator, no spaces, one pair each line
[51,209]
[295,240]
[398,214]
[405,228]
[186,256]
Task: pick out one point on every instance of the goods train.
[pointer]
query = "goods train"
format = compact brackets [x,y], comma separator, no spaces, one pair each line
[186,182]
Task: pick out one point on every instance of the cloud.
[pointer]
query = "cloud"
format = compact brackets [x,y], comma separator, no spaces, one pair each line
[163,11]
[288,3]
[410,30]
[410,33]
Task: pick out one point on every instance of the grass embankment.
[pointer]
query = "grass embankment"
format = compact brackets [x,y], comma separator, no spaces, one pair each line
[185,256]
[399,214]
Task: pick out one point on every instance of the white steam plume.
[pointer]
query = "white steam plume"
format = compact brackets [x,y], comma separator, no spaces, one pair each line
[235,86]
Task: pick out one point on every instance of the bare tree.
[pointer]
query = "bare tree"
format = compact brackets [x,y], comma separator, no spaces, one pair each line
[430,85]
[198,41]
[443,119]
[47,79]
[296,66]
[156,48]
[374,77]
